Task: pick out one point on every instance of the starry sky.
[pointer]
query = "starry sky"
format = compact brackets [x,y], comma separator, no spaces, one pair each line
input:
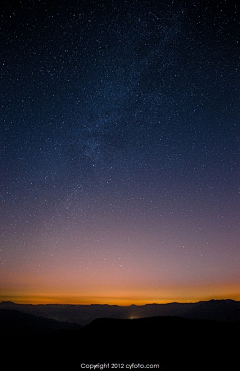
[119,150]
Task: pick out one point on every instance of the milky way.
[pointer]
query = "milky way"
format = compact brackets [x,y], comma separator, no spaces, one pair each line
[119,151]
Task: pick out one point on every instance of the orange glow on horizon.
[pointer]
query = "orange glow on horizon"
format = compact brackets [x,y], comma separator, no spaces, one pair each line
[120,301]
[43,290]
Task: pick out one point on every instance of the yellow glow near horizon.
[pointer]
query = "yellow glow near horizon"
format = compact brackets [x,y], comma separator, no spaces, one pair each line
[123,296]
[121,301]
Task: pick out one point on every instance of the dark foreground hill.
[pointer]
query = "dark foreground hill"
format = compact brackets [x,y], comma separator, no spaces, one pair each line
[172,343]
[18,325]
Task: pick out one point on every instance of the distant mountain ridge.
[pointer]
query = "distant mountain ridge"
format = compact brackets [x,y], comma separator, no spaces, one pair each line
[218,310]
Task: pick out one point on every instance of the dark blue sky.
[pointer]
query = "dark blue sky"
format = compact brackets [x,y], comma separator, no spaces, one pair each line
[119,150]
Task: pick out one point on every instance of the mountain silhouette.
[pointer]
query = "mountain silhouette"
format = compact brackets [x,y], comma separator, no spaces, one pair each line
[220,310]
[15,324]
[171,342]
[224,310]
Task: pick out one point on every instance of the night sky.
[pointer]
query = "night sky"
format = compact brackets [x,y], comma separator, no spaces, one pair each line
[119,151]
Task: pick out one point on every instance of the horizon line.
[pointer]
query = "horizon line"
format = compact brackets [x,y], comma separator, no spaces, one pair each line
[119,305]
